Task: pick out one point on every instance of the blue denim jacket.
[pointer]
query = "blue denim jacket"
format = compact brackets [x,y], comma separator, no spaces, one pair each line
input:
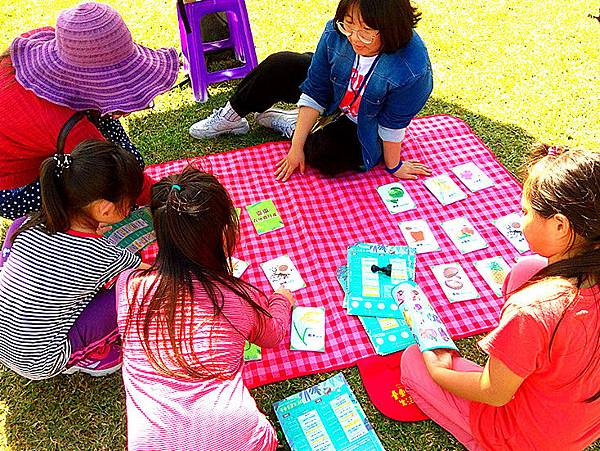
[397,90]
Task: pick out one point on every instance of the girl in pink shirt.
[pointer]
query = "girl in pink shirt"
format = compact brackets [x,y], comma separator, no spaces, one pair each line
[540,388]
[184,323]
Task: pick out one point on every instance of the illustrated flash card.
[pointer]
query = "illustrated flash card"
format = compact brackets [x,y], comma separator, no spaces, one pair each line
[308,329]
[264,216]
[282,273]
[493,270]
[238,266]
[464,236]
[396,198]
[419,236]
[444,189]
[252,352]
[510,227]
[472,176]
[454,282]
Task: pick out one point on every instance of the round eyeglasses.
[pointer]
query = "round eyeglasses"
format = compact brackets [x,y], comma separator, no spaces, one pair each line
[364,36]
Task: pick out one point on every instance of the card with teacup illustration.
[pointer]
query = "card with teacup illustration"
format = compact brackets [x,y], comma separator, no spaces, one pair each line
[454,282]
[510,227]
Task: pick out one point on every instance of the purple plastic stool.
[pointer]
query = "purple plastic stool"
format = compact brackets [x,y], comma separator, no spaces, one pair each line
[240,39]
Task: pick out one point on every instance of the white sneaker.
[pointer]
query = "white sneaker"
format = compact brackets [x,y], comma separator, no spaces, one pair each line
[216,124]
[282,121]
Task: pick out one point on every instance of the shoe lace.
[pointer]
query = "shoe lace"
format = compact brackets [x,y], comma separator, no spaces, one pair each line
[284,126]
[214,117]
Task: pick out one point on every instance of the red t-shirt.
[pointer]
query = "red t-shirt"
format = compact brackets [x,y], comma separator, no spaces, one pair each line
[548,410]
[29,128]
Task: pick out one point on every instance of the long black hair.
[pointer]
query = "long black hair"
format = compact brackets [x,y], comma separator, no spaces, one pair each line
[196,231]
[69,183]
[567,182]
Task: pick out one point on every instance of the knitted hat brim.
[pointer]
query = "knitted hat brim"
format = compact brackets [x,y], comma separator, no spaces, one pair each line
[125,87]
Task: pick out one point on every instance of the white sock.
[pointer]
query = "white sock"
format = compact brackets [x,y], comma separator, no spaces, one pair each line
[229,113]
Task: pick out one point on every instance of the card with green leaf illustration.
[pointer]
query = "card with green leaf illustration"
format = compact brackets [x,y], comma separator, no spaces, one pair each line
[133,233]
[444,189]
[396,198]
[264,216]
[419,236]
[510,226]
[454,282]
[472,176]
[308,329]
[252,352]
[372,275]
[387,335]
[464,236]
[326,417]
[493,270]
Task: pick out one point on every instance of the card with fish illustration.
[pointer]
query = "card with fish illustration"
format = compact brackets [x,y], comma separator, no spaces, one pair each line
[282,273]
[510,227]
[419,236]
[238,266]
[252,352]
[308,329]
[396,198]
[444,189]
[464,236]
[472,176]
[493,270]
[264,216]
[454,282]
[426,326]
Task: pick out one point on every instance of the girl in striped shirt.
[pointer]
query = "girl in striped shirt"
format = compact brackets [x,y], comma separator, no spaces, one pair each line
[57,313]
[184,323]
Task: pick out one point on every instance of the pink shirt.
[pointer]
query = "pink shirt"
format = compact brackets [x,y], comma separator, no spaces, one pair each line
[548,410]
[213,414]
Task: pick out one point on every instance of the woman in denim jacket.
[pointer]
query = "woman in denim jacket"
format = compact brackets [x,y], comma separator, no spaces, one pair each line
[369,76]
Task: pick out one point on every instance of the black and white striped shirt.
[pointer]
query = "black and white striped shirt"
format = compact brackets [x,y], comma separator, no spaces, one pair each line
[44,285]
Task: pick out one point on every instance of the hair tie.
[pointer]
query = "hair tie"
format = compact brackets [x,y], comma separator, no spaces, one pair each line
[175,186]
[63,161]
[553,151]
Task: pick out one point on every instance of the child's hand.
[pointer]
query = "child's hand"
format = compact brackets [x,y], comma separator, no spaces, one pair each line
[103,228]
[288,295]
[438,358]
[411,169]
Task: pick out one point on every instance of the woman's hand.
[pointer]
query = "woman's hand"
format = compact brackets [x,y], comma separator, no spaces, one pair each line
[287,294]
[438,358]
[411,170]
[292,161]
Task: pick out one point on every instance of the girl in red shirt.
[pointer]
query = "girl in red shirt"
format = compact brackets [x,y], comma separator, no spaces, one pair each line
[540,388]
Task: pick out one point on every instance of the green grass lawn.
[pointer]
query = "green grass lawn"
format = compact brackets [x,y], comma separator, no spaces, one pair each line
[516,71]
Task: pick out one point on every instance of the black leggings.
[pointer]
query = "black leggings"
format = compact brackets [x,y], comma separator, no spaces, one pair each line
[331,150]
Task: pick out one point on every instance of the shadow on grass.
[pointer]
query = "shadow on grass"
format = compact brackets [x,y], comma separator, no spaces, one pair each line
[82,413]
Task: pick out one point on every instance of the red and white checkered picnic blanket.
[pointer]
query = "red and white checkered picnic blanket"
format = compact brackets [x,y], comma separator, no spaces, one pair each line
[323,216]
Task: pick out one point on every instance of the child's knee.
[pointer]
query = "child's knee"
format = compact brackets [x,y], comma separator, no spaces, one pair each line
[522,272]
[411,365]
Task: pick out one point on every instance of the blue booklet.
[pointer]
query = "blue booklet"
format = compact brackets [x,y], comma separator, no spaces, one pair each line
[387,335]
[373,270]
[326,417]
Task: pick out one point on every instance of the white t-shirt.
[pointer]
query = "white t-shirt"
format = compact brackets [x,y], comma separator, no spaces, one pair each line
[361,68]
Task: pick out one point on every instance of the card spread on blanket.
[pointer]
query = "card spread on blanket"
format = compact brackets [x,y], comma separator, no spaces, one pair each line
[264,216]
[396,198]
[387,335]
[326,417]
[464,236]
[282,273]
[444,189]
[472,176]
[133,233]
[252,352]
[493,270]
[372,273]
[454,282]
[419,236]
[308,329]
[427,328]
[510,227]
[238,266]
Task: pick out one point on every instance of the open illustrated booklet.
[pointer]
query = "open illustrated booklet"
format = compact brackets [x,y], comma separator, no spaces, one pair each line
[133,233]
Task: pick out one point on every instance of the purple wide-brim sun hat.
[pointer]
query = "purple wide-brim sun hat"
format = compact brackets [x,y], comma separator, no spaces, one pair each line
[91,63]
